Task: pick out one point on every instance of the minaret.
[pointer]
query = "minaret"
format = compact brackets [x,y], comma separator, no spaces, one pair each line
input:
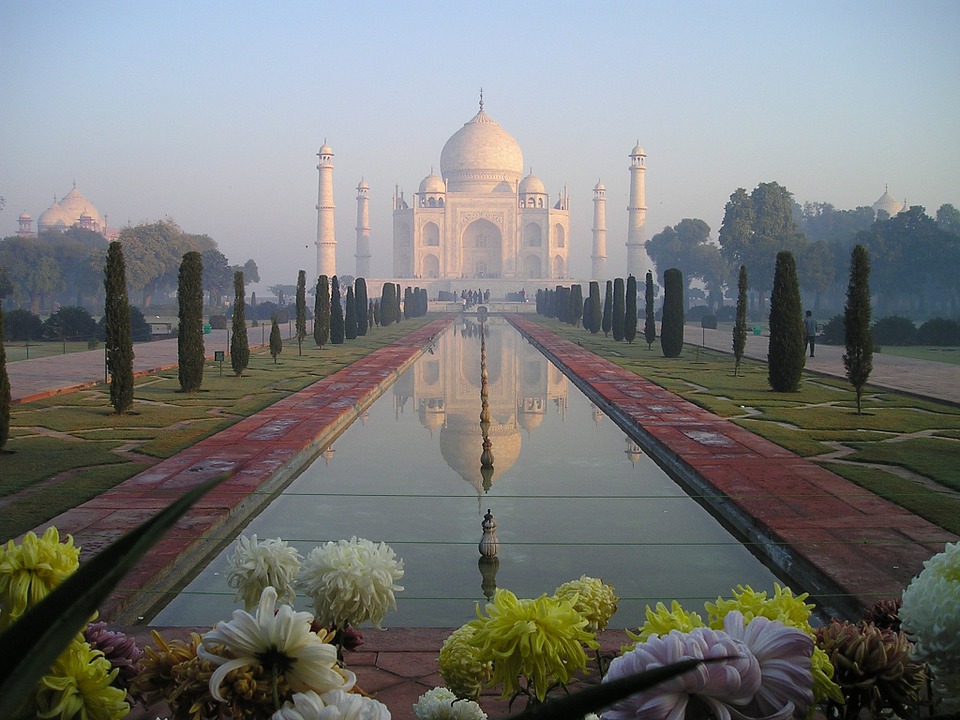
[363,230]
[326,236]
[599,256]
[637,261]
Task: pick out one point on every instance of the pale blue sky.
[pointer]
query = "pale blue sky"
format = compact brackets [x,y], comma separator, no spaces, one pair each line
[212,113]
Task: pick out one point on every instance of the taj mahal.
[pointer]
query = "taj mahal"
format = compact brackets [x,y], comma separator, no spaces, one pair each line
[481,221]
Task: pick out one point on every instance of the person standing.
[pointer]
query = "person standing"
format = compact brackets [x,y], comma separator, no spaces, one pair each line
[809,332]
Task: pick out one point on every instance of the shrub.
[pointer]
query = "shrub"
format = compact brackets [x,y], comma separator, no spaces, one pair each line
[696,313]
[833,332]
[728,313]
[70,323]
[218,322]
[939,331]
[709,322]
[22,325]
[894,330]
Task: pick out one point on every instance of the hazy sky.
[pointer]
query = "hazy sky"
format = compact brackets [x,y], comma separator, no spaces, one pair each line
[212,113]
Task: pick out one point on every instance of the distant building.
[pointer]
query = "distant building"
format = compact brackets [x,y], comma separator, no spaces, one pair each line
[74,210]
[889,204]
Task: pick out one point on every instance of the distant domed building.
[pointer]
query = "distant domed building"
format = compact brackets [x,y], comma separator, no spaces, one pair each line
[889,204]
[74,210]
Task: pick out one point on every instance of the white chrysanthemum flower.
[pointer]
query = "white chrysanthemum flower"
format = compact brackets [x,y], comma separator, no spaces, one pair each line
[333,705]
[255,565]
[276,637]
[441,704]
[352,581]
[930,617]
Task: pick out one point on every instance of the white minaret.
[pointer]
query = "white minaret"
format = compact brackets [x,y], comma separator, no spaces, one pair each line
[326,236]
[363,230]
[599,256]
[637,261]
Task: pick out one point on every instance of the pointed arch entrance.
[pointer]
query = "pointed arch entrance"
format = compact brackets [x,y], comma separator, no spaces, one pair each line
[481,248]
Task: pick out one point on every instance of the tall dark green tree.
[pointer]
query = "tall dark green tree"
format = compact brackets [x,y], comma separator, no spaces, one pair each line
[595,309]
[119,345]
[350,316]
[408,308]
[301,310]
[5,395]
[276,342]
[576,304]
[740,325]
[606,321]
[785,350]
[321,312]
[360,298]
[619,309]
[858,358]
[386,304]
[336,313]
[190,350]
[650,316]
[671,327]
[239,345]
[630,315]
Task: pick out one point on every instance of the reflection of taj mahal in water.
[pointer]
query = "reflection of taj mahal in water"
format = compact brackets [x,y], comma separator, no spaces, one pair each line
[523,386]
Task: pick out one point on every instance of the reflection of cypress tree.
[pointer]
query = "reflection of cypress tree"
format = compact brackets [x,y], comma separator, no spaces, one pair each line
[301,310]
[619,309]
[785,351]
[336,313]
[630,316]
[276,342]
[740,325]
[350,319]
[607,322]
[858,358]
[650,317]
[321,312]
[119,345]
[239,346]
[671,329]
[360,300]
[5,394]
[190,350]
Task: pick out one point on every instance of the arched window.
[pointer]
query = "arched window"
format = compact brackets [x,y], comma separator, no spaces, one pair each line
[540,202]
[432,202]
[431,235]
[559,235]
[532,236]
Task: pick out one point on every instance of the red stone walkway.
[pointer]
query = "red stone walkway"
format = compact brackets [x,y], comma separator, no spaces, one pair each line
[843,544]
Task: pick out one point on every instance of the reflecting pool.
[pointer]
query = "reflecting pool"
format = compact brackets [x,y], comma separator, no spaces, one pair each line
[570,493]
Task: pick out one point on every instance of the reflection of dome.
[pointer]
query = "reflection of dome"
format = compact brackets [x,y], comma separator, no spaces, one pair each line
[432,184]
[461,443]
[532,184]
[888,203]
[431,417]
[530,414]
[481,156]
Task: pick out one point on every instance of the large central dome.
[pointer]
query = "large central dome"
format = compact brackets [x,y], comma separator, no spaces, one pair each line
[481,157]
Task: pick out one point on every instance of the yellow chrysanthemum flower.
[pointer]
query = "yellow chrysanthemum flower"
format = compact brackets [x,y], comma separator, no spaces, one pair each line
[463,670]
[542,640]
[79,686]
[662,621]
[30,570]
[592,598]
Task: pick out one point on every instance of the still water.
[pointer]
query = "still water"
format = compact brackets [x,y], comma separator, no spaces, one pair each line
[570,493]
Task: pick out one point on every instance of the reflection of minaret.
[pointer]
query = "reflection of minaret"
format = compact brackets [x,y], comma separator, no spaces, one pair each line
[326,236]
[599,258]
[637,261]
[363,230]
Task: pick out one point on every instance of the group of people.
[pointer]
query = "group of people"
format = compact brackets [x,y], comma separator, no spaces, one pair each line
[470,298]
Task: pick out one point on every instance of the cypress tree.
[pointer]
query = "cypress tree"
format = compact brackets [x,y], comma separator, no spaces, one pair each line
[858,358]
[371,314]
[336,313]
[239,346]
[119,345]
[321,312]
[276,342]
[650,314]
[301,310]
[397,309]
[619,309]
[360,299]
[630,316]
[595,311]
[350,316]
[376,313]
[671,328]
[5,394]
[190,350]
[785,350]
[408,309]
[386,305]
[576,304]
[740,326]
[607,322]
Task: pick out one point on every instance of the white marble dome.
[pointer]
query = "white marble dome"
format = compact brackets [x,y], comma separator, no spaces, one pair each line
[67,212]
[432,184]
[481,157]
[532,184]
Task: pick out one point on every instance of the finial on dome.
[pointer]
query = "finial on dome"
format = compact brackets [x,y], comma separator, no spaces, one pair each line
[481,99]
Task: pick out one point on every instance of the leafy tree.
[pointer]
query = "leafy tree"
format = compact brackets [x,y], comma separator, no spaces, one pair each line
[858,358]
[153,253]
[217,276]
[119,346]
[948,218]
[321,312]
[671,327]
[594,314]
[301,310]
[276,342]
[139,327]
[606,321]
[650,320]
[6,285]
[360,299]
[190,349]
[350,316]
[785,351]
[630,316]
[22,325]
[619,309]
[251,273]
[282,292]
[687,246]
[740,325]
[5,395]
[70,323]
[239,345]
[336,313]
[817,269]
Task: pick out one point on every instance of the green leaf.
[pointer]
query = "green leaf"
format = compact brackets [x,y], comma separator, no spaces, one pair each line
[594,699]
[34,642]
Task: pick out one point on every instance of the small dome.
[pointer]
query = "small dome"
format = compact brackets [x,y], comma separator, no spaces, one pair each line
[363,185]
[326,149]
[25,217]
[599,186]
[432,184]
[531,184]
[638,150]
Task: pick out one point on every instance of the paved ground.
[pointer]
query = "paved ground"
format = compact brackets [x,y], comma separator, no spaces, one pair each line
[840,536]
